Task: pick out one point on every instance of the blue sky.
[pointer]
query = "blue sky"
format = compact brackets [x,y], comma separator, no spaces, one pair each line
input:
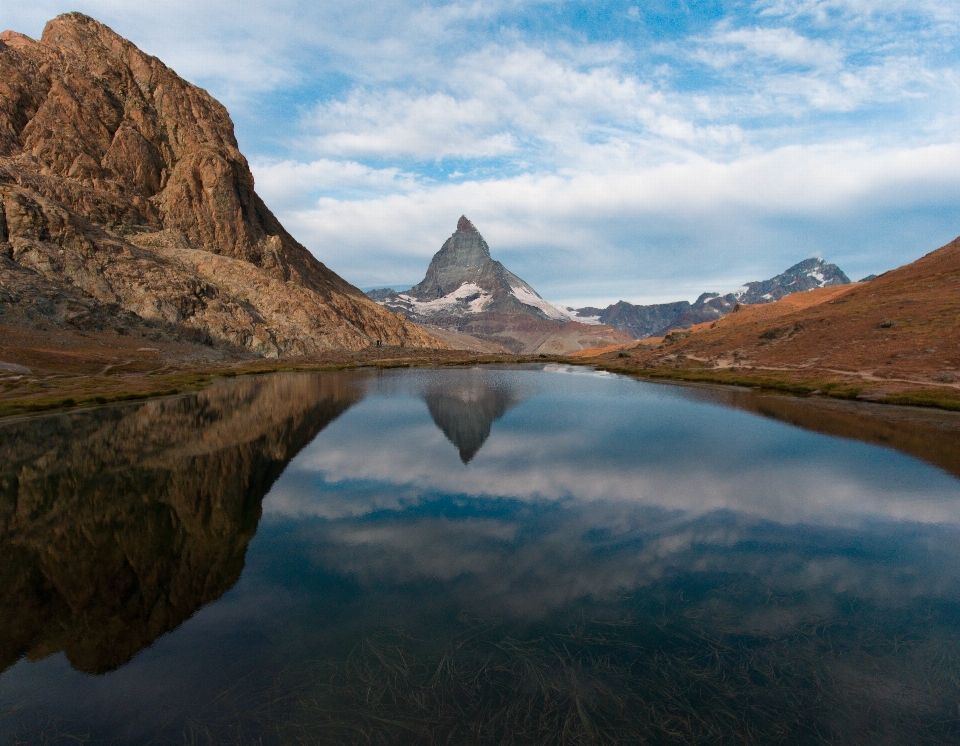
[606,150]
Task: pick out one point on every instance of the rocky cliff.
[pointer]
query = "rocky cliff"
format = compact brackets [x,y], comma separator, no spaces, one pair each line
[125,202]
[466,290]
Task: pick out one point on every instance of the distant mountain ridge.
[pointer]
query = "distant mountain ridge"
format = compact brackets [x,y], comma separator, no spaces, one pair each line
[655,320]
[466,290]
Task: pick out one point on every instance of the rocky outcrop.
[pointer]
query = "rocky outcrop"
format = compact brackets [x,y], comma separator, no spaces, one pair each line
[654,320]
[117,524]
[122,188]
[466,290]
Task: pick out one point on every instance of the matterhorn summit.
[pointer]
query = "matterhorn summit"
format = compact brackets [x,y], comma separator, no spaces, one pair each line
[466,290]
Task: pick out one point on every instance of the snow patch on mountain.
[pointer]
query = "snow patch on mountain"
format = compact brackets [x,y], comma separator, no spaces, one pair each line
[573,314]
[529,297]
[810,274]
[469,298]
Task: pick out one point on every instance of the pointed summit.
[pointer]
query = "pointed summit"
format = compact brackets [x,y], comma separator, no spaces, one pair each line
[461,259]
[465,226]
[806,275]
[466,290]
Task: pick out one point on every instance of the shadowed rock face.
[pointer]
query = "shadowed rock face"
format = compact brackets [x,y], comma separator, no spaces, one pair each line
[122,187]
[465,411]
[806,275]
[462,258]
[117,525]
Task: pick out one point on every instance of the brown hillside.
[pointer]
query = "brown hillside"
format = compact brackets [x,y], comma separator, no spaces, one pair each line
[880,338]
[125,203]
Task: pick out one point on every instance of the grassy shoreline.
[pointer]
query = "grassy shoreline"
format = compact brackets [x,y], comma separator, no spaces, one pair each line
[71,392]
[850,390]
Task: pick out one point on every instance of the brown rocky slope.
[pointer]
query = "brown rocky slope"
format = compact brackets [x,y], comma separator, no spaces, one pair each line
[125,203]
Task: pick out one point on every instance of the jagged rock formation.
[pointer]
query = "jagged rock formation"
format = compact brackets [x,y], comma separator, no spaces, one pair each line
[651,321]
[656,320]
[466,290]
[126,203]
[116,525]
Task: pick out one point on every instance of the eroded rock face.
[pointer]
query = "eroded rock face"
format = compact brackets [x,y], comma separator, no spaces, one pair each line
[122,184]
[116,525]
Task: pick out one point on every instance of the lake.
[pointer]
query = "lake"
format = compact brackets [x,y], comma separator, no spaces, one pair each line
[540,554]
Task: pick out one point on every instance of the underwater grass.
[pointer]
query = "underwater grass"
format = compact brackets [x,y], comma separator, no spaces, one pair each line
[666,672]
[696,678]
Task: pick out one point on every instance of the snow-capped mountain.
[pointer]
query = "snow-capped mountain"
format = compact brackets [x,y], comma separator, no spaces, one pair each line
[463,279]
[466,290]
[809,274]
[654,320]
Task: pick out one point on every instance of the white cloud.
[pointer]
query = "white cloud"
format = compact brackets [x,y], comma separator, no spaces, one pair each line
[782,44]
[424,126]
[861,11]
[580,218]
[293,183]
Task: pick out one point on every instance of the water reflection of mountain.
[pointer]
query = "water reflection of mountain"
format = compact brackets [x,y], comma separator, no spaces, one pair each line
[116,525]
[465,407]
[930,435]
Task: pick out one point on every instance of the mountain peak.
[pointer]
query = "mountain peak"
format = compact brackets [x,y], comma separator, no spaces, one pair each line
[465,289]
[809,274]
[459,260]
[165,193]
[465,226]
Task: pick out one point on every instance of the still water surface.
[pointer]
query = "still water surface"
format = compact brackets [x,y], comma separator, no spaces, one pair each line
[527,555]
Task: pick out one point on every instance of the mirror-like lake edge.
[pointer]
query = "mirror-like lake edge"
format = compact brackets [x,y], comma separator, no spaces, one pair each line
[480,555]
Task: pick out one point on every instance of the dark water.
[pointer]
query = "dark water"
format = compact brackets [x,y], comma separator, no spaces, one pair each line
[480,556]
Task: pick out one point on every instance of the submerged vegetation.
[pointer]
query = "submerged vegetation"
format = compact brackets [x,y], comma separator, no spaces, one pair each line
[632,681]
[672,670]
[447,617]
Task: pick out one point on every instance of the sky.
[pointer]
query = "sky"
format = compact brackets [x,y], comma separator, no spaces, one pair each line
[640,151]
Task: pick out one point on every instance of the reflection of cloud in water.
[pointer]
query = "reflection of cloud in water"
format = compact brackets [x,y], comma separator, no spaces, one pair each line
[588,490]
[665,452]
[529,562]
